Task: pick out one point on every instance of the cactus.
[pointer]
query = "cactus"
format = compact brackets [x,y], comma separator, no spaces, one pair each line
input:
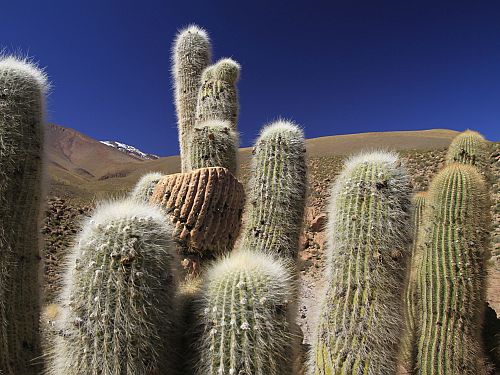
[205,206]
[144,188]
[368,236]
[451,279]
[22,90]
[214,144]
[244,325]
[218,97]
[468,147]
[191,55]
[277,189]
[408,345]
[118,312]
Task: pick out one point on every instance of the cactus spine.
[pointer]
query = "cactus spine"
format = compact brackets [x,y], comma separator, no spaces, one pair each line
[118,312]
[368,240]
[277,189]
[218,96]
[451,280]
[191,55]
[244,317]
[22,89]
[144,188]
[408,345]
[214,144]
[468,147]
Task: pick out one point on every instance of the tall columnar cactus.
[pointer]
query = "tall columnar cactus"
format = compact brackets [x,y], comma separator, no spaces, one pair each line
[22,89]
[244,326]
[218,96]
[451,280]
[359,323]
[408,345]
[118,298]
[468,147]
[144,188]
[277,188]
[214,144]
[191,55]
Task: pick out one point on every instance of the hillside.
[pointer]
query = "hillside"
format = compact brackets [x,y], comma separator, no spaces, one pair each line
[83,168]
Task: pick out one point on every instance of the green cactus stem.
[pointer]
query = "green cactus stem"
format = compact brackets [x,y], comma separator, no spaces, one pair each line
[118,310]
[144,188]
[244,325]
[408,344]
[276,193]
[22,90]
[214,144]
[451,279]
[468,147]
[218,96]
[191,55]
[368,238]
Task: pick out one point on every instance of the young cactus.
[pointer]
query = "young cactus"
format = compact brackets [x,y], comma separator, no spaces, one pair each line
[243,312]
[368,236]
[468,147]
[144,188]
[22,90]
[218,96]
[214,144]
[408,345]
[451,279]
[191,55]
[277,190]
[118,299]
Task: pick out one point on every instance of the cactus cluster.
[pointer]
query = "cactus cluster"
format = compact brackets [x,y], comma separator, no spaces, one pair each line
[118,310]
[22,90]
[360,322]
[451,274]
[121,310]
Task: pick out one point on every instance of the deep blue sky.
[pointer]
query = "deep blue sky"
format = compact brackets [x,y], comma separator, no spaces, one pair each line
[335,67]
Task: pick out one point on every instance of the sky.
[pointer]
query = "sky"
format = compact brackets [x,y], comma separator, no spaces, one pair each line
[334,67]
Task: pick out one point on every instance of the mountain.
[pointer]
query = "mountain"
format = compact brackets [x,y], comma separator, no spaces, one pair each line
[130,150]
[83,168]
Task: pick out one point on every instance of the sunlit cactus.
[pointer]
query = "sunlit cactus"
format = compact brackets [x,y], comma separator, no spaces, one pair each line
[451,274]
[118,311]
[22,90]
[191,55]
[408,344]
[214,144]
[276,192]
[468,147]
[144,188]
[218,96]
[243,311]
[368,237]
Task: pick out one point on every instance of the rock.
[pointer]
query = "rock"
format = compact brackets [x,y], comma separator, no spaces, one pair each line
[318,223]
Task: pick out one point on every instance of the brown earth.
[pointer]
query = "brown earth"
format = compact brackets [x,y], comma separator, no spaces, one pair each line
[112,175]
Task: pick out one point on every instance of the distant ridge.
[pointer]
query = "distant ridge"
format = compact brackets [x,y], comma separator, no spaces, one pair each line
[130,150]
[82,167]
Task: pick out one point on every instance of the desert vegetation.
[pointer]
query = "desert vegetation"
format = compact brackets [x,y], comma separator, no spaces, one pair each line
[375,264]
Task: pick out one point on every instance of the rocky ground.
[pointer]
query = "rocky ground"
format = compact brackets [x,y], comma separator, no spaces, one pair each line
[63,219]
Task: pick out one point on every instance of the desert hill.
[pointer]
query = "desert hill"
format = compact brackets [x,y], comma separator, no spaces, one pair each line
[83,168]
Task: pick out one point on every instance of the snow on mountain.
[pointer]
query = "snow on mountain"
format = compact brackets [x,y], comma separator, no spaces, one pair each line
[130,150]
